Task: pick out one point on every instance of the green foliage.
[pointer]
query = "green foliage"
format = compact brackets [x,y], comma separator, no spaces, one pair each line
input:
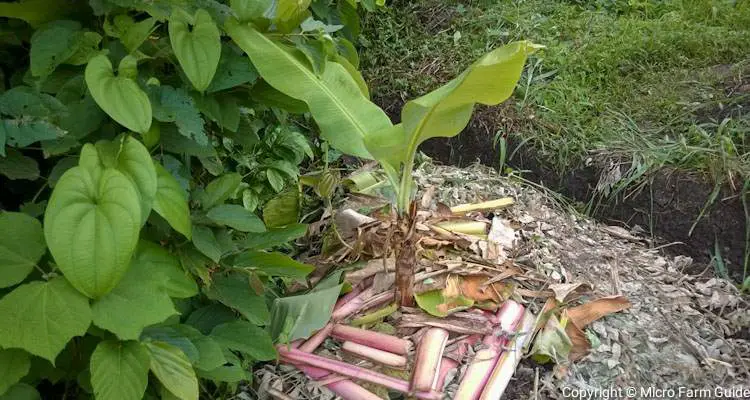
[149,146]
[298,317]
[119,370]
[21,246]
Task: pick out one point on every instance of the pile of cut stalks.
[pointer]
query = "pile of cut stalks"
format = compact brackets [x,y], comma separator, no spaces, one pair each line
[470,330]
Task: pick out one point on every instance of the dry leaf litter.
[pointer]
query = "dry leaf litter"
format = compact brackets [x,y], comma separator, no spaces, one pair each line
[663,328]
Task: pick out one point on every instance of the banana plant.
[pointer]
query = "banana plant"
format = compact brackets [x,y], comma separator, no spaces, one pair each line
[354,125]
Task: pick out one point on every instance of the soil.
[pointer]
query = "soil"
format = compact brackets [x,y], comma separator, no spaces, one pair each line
[665,208]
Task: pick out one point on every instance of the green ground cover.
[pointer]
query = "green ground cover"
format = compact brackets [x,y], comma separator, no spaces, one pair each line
[645,84]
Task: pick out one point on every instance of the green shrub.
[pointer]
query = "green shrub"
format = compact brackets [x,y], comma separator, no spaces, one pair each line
[144,140]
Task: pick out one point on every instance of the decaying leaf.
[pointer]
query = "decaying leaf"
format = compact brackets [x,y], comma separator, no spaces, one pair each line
[564,290]
[587,313]
[580,342]
[552,343]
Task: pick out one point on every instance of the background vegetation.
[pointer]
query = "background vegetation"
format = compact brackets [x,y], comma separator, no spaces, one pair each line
[638,84]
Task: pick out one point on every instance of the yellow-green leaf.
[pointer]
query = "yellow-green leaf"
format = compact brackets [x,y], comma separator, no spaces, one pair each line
[336,102]
[92,224]
[196,41]
[119,96]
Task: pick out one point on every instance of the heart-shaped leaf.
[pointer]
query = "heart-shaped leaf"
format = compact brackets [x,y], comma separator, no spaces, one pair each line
[173,369]
[119,370]
[119,96]
[41,317]
[92,223]
[196,41]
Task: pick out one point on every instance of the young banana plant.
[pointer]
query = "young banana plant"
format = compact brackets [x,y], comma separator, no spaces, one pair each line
[352,124]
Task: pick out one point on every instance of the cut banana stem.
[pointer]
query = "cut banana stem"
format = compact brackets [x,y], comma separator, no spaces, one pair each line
[371,353]
[508,361]
[483,206]
[377,340]
[427,363]
[465,227]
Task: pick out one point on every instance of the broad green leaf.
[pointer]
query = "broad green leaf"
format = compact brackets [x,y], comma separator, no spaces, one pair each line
[220,189]
[52,45]
[173,370]
[169,334]
[92,224]
[209,350]
[41,317]
[119,96]
[265,93]
[21,391]
[298,317]
[196,41]
[272,264]
[21,246]
[237,217]
[134,161]
[445,111]
[206,318]
[336,103]
[139,299]
[234,69]
[246,338]
[274,237]
[166,269]
[205,241]
[23,132]
[233,290]
[87,47]
[355,74]
[119,370]
[250,10]
[282,210]
[14,365]
[176,105]
[15,165]
[171,201]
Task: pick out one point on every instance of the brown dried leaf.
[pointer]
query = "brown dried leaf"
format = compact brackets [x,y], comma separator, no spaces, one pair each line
[563,290]
[581,345]
[587,313]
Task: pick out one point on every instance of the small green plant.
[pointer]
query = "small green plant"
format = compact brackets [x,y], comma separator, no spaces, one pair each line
[352,124]
[144,139]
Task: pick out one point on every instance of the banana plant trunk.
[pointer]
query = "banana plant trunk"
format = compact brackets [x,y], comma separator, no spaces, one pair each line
[406,259]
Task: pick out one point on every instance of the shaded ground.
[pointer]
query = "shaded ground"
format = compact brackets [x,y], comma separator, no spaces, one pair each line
[637,110]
